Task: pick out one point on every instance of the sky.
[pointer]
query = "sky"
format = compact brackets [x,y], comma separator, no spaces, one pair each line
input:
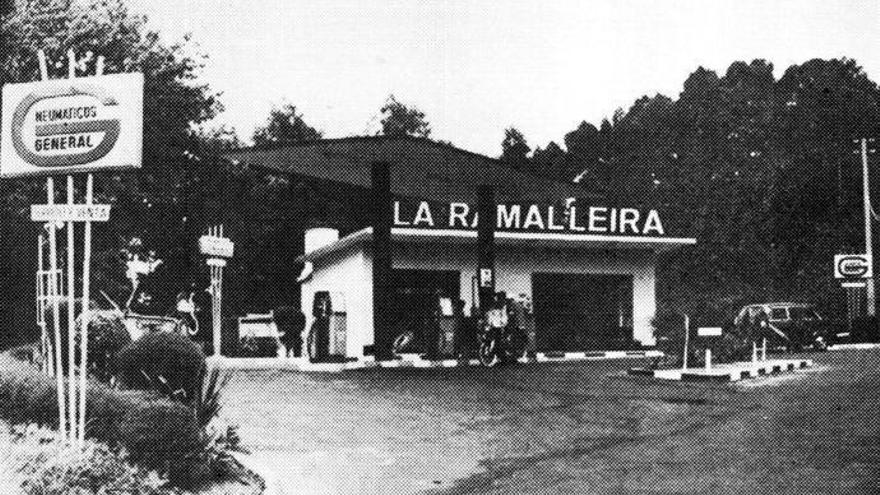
[477,67]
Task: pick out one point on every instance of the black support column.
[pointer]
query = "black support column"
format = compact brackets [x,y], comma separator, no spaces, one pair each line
[382,262]
[486,245]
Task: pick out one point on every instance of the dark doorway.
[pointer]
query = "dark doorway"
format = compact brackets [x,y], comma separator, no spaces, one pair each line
[414,297]
[575,312]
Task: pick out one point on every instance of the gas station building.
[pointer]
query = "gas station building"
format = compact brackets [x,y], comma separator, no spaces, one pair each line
[587,268]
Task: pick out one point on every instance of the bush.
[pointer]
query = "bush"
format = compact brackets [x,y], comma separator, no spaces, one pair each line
[96,470]
[165,436]
[26,396]
[157,433]
[107,337]
[865,329]
[166,362]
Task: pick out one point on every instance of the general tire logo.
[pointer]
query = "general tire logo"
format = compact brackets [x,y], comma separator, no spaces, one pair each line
[852,266]
[69,132]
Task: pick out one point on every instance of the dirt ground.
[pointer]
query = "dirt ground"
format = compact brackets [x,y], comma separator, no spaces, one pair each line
[582,427]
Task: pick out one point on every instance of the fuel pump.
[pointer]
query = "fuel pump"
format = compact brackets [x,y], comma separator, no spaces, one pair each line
[326,341]
[448,323]
[319,333]
[337,328]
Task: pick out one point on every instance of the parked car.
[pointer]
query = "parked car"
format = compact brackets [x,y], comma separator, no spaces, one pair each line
[793,326]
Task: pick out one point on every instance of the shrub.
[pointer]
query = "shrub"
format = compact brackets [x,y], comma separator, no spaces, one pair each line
[157,433]
[865,329]
[167,362]
[26,396]
[165,436]
[107,337]
[96,470]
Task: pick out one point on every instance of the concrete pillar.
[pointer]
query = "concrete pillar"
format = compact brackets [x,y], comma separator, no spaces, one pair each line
[486,245]
[380,181]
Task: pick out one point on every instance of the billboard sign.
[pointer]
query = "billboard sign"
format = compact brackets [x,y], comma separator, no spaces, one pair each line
[852,267]
[72,125]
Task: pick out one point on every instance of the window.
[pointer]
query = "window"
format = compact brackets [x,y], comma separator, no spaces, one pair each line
[801,313]
[778,314]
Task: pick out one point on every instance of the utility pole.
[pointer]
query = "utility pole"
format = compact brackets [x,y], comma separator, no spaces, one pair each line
[869,293]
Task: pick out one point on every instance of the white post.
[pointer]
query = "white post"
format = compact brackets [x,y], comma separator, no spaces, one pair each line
[754,352]
[764,350]
[687,333]
[56,313]
[71,319]
[86,315]
[708,359]
[866,192]
[53,284]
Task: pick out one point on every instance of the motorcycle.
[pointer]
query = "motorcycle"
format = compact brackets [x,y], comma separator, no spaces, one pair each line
[498,339]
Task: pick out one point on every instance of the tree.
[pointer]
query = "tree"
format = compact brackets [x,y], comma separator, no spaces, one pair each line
[146,204]
[514,149]
[399,120]
[550,162]
[284,126]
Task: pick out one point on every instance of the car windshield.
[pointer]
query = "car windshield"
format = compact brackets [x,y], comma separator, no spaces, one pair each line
[802,313]
[778,314]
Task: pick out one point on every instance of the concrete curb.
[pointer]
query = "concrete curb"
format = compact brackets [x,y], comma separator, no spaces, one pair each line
[732,372]
[411,361]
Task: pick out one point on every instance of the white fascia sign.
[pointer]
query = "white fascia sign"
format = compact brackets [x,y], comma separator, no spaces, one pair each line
[65,126]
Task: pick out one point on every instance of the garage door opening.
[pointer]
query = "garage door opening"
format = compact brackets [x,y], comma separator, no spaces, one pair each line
[575,312]
[414,298]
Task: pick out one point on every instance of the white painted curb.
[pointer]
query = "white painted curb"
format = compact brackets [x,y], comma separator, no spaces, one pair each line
[411,361]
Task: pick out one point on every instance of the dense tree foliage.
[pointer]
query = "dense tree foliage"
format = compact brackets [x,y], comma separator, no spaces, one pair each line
[760,170]
[284,126]
[399,120]
[148,204]
[514,148]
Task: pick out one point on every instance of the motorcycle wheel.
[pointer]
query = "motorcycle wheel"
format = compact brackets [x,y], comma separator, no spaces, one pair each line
[402,341]
[312,345]
[488,357]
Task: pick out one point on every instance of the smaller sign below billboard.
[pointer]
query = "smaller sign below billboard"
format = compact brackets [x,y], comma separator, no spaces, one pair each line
[217,247]
[70,213]
[709,331]
[852,267]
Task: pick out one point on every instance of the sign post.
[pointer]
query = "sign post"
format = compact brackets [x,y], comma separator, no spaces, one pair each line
[218,249]
[709,332]
[855,272]
[52,127]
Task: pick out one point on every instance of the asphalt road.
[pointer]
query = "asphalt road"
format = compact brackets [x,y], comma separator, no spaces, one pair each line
[580,427]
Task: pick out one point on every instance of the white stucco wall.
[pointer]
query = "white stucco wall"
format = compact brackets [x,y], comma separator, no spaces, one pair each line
[350,273]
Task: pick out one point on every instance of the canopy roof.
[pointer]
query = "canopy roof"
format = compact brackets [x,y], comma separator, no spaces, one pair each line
[420,168]
[525,239]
